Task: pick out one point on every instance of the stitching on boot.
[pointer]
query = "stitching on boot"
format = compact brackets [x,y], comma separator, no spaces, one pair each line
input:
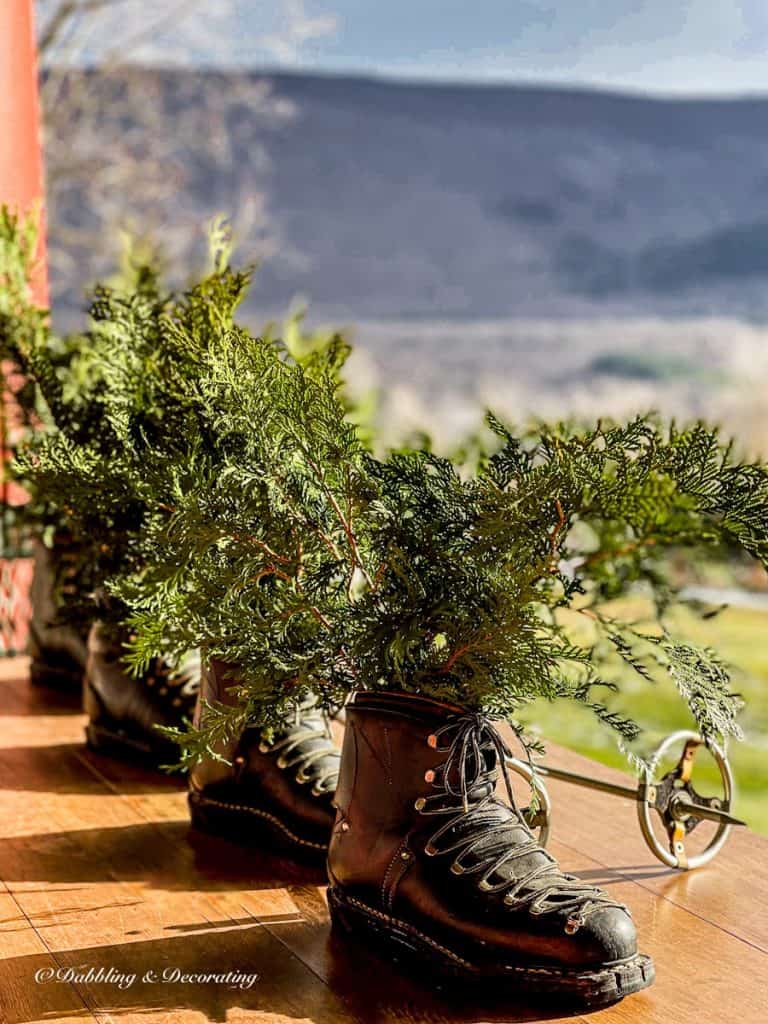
[269,817]
[578,978]
[397,869]
[410,928]
[385,879]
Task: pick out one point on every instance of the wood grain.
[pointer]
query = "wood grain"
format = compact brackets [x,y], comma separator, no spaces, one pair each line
[100,869]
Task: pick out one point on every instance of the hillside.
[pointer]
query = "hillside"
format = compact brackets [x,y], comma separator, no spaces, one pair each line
[551,250]
[407,200]
[509,201]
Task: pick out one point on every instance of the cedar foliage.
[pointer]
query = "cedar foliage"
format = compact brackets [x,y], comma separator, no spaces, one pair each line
[232,505]
[435,583]
[37,390]
[154,432]
[472,575]
[76,390]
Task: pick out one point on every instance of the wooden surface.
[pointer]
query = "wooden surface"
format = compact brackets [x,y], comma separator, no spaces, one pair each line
[99,869]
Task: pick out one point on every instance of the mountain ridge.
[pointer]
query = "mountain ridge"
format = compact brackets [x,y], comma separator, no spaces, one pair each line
[395,198]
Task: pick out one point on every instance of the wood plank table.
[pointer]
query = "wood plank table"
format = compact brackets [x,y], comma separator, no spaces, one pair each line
[103,882]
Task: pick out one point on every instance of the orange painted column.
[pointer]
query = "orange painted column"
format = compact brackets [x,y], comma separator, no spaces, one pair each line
[21,160]
[22,189]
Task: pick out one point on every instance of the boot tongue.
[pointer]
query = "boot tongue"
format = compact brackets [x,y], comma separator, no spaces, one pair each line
[488,844]
[481,776]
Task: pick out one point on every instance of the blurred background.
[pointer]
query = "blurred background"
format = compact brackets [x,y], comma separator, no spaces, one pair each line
[546,207]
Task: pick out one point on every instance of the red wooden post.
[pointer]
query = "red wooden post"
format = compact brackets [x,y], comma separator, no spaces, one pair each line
[21,188]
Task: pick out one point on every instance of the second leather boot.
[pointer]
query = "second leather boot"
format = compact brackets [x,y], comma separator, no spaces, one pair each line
[124,711]
[426,858]
[277,790]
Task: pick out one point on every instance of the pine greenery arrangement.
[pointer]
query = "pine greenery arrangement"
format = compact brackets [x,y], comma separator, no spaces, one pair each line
[478,581]
[89,396]
[260,526]
[311,565]
[61,401]
[151,424]
[230,503]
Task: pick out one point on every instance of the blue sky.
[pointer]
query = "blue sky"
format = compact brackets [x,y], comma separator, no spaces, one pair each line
[666,46]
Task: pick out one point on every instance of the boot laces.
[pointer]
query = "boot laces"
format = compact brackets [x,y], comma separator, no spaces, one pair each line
[484,834]
[309,725]
[186,677]
[180,685]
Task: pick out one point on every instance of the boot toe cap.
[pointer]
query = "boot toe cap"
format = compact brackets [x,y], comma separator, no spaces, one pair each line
[612,935]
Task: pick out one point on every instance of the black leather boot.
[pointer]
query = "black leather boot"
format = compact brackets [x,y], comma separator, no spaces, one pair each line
[124,711]
[57,649]
[425,857]
[277,791]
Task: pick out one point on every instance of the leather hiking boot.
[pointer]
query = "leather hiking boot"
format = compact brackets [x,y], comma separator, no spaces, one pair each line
[276,790]
[425,857]
[124,710]
[57,649]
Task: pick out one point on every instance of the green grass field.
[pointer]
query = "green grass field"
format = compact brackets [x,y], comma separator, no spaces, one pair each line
[741,637]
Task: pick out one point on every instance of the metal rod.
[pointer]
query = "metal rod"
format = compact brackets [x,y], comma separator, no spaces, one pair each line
[583,780]
[682,808]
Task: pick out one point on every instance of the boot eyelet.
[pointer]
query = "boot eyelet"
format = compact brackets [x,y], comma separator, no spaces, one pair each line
[281,762]
[264,748]
[432,741]
[420,804]
[457,869]
[429,776]
[430,851]
[484,886]
[301,778]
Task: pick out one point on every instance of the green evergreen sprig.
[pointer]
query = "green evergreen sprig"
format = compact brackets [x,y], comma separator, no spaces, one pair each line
[473,575]
[228,501]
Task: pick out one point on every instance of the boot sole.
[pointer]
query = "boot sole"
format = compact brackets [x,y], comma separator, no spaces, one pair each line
[242,823]
[590,988]
[117,743]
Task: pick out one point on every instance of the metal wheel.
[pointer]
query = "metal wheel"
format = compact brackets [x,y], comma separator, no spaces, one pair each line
[680,807]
